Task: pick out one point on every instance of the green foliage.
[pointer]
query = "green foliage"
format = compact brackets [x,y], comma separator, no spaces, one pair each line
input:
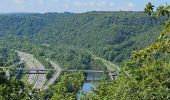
[71,58]
[149,8]
[12,89]
[161,10]
[147,75]
[50,74]
[68,86]
[109,35]
[103,91]
[7,57]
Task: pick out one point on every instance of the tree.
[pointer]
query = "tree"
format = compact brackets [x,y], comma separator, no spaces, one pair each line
[147,75]
[68,86]
[12,89]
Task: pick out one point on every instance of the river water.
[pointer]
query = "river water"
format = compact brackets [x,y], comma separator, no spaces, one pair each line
[89,83]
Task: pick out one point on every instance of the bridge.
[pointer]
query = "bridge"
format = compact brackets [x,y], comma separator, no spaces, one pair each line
[43,71]
[112,74]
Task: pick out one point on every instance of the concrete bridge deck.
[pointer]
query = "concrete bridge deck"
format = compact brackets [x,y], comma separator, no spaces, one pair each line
[45,70]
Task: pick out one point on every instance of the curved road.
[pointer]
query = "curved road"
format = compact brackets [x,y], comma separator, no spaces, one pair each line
[56,74]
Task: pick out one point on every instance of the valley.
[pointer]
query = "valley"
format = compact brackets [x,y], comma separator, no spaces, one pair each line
[95,55]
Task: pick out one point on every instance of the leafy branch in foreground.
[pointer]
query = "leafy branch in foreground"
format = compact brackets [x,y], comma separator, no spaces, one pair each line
[12,89]
[68,87]
[149,67]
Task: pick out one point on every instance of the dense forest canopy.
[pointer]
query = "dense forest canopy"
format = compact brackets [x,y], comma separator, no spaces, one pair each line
[146,75]
[73,39]
[109,35]
[7,57]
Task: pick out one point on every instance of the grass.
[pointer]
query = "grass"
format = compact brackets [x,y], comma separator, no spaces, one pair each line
[108,64]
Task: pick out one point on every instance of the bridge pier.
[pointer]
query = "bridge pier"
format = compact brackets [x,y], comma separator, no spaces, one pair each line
[112,75]
[93,77]
[7,72]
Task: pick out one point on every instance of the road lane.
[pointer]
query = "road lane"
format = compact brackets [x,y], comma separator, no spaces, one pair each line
[26,58]
[56,74]
[32,63]
[41,77]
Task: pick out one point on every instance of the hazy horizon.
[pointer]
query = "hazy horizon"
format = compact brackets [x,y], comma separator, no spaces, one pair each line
[74,6]
[62,12]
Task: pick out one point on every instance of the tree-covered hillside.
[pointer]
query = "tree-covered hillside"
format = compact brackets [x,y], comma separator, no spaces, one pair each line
[146,76]
[110,35]
[7,57]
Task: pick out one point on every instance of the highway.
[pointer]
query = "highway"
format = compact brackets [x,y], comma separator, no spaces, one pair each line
[26,58]
[41,77]
[32,63]
[56,74]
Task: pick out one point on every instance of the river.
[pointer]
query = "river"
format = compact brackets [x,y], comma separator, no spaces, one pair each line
[90,83]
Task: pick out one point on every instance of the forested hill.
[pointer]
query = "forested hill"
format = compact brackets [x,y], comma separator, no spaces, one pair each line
[110,35]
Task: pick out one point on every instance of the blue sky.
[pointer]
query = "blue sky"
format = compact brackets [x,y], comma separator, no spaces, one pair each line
[42,6]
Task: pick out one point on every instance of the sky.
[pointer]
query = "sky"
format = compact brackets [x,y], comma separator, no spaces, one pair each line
[76,6]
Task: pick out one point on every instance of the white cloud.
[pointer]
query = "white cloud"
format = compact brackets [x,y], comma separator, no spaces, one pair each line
[41,2]
[20,1]
[66,6]
[93,4]
[131,6]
